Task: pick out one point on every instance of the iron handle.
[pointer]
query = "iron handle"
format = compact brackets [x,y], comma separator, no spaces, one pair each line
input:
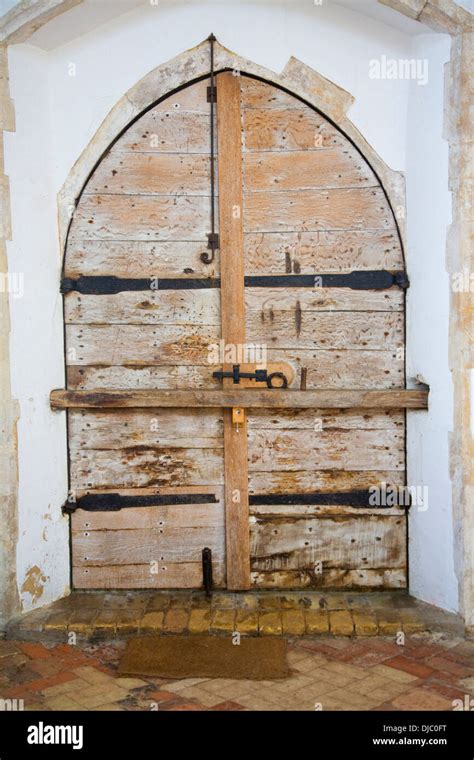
[281,376]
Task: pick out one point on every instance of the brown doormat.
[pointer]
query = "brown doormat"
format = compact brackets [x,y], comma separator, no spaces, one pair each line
[204,657]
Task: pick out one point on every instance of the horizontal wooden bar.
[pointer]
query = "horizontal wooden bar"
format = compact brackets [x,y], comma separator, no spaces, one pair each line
[251,399]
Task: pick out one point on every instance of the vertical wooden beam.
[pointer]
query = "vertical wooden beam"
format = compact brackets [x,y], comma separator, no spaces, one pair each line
[231,246]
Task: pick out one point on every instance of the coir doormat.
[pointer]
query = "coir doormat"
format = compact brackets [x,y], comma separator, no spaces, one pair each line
[205,657]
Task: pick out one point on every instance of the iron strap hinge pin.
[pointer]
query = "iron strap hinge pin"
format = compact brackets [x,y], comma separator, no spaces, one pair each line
[68,284]
[401,279]
[212,240]
[212,93]
[68,508]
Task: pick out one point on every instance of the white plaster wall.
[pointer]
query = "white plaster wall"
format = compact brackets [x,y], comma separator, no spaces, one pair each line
[57,114]
[6,5]
[431,542]
[36,339]
[336,41]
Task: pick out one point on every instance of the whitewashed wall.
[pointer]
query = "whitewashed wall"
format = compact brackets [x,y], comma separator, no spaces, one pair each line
[431,541]
[57,114]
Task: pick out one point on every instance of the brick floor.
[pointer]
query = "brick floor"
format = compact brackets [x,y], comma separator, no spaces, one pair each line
[103,615]
[347,651]
[428,672]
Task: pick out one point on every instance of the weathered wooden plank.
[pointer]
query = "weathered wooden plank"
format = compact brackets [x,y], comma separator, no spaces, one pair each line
[177,307]
[136,258]
[142,217]
[147,518]
[329,449]
[313,252]
[316,420]
[188,429]
[338,330]
[270,399]
[257,94]
[139,344]
[177,343]
[192,98]
[233,323]
[315,510]
[158,377]
[154,378]
[173,516]
[344,541]
[168,132]
[306,170]
[315,210]
[326,481]
[345,369]
[135,173]
[141,466]
[139,546]
[336,369]
[215,491]
[268,300]
[361,579]
[290,129]
[170,575]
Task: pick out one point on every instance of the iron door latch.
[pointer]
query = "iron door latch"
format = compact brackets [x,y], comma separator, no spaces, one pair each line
[260,376]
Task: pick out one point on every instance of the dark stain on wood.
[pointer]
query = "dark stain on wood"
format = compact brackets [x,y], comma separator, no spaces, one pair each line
[304,377]
[298,318]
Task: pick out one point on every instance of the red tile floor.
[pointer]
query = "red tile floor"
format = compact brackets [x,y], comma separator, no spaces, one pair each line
[428,672]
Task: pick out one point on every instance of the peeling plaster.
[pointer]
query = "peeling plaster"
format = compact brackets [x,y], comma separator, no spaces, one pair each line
[34,584]
[9,411]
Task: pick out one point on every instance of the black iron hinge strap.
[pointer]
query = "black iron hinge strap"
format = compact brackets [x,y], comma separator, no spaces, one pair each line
[109,285]
[361,499]
[114,502]
[377,279]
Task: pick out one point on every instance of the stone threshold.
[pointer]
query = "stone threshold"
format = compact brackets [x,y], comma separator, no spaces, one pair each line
[92,615]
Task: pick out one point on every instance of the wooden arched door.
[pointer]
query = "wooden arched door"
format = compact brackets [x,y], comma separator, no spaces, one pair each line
[307,266]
